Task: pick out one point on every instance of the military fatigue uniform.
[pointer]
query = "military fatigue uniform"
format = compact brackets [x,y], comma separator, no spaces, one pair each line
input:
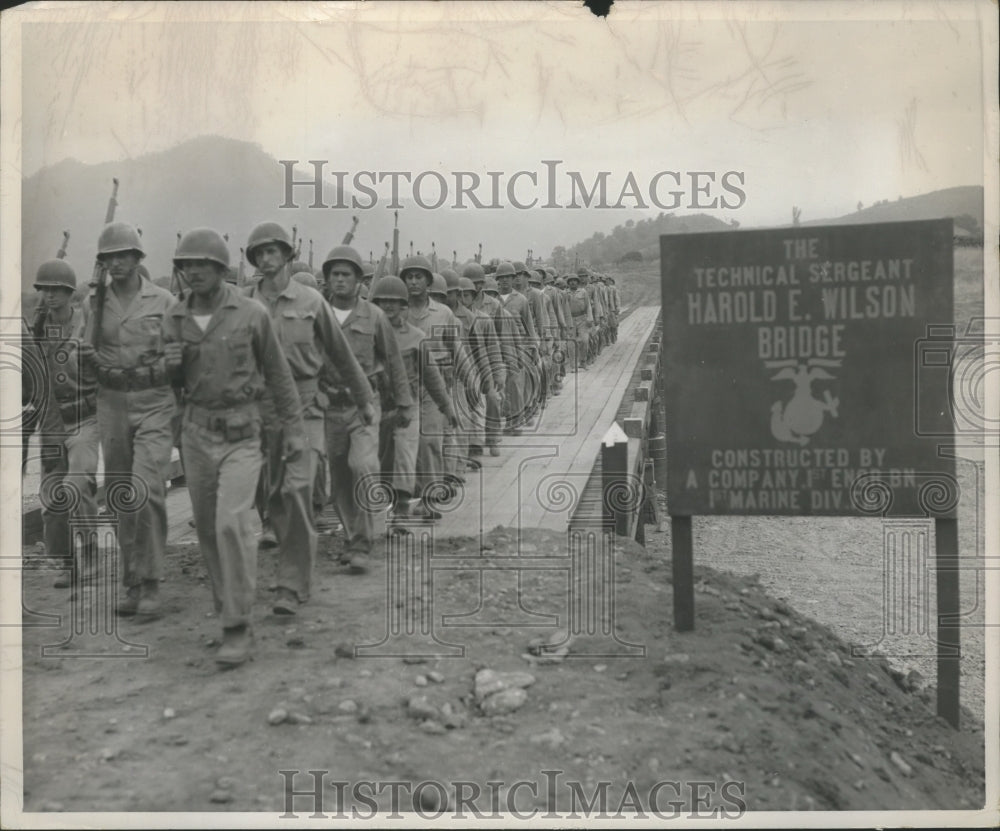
[598,315]
[69,360]
[483,348]
[517,403]
[616,307]
[443,331]
[398,445]
[538,373]
[226,371]
[505,331]
[582,316]
[135,406]
[308,333]
[555,336]
[353,445]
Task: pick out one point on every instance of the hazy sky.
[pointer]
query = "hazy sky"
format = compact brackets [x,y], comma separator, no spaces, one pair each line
[815,108]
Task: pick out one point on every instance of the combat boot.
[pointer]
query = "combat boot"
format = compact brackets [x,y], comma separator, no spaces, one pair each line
[237,642]
[127,607]
[149,606]
[286,602]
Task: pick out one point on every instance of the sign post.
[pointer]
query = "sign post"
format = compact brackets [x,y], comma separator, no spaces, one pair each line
[795,384]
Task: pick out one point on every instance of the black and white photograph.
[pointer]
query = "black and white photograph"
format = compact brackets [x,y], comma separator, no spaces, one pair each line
[553,414]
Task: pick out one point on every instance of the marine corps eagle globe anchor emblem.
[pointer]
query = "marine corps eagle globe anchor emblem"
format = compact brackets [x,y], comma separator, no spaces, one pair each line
[797,419]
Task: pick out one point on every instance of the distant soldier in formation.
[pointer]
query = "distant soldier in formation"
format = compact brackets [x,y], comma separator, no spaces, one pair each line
[557,330]
[536,371]
[582,317]
[517,306]
[352,427]
[226,355]
[367,273]
[399,434]
[135,405]
[444,333]
[488,375]
[616,307]
[491,307]
[70,439]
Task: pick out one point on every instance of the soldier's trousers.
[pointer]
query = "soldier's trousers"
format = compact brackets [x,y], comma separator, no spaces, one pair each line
[137,437]
[430,462]
[352,448]
[457,440]
[517,396]
[477,420]
[582,344]
[69,491]
[398,453]
[289,495]
[494,422]
[221,479]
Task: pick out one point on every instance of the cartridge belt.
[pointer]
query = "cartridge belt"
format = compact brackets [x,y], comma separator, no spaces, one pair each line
[234,423]
[133,379]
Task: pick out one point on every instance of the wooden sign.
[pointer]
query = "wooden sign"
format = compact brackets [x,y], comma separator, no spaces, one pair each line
[795,375]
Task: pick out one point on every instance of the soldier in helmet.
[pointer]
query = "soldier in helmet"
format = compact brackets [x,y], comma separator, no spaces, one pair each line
[550,331]
[399,433]
[353,435]
[536,379]
[367,273]
[73,433]
[466,397]
[483,303]
[311,339]
[135,405]
[438,289]
[557,330]
[484,349]
[511,342]
[597,313]
[225,353]
[443,329]
[515,303]
[616,307]
[583,319]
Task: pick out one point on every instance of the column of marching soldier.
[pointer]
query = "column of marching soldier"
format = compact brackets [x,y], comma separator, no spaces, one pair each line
[296,389]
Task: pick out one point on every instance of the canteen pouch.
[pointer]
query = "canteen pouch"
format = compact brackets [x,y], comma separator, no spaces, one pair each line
[239,426]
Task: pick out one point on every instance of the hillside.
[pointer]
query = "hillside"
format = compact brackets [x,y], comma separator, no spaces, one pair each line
[950,202]
[232,185]
[639,241]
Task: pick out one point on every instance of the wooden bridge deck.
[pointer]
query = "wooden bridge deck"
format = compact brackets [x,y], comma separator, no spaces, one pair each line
[539,477]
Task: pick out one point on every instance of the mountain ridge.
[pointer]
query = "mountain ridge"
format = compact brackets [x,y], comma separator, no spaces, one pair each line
[194,183]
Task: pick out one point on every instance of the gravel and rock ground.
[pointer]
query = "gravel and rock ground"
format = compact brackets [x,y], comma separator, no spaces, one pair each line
[762,705]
